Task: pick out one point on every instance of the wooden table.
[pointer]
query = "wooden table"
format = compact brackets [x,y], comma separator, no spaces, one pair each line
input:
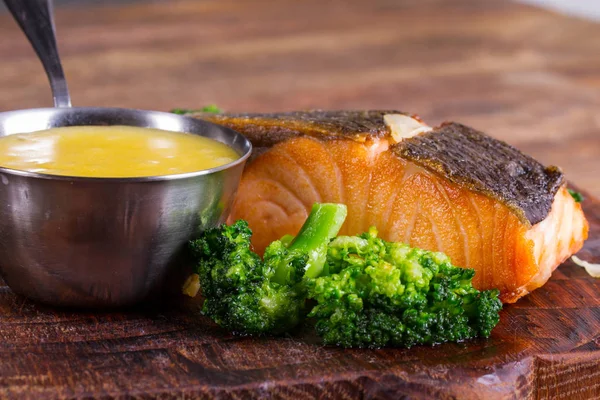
[519,73]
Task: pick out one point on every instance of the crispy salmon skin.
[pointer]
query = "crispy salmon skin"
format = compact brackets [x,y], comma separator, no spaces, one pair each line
[450,189]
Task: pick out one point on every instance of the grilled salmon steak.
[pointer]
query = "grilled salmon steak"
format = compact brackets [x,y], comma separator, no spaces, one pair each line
[450,189]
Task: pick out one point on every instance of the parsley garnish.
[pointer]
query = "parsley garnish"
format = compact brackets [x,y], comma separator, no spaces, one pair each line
[208,109]
[578,197]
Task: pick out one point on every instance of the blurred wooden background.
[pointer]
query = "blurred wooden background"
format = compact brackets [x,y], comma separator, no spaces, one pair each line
[528,76]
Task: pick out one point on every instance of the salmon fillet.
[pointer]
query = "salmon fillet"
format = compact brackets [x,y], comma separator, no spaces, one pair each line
[449,189]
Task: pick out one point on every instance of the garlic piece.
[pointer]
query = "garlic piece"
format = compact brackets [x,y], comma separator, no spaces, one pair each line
[592,269]
[191,285]
[403,126]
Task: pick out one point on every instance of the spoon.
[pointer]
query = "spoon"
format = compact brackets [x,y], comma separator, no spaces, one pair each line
[36,21]
[101,242]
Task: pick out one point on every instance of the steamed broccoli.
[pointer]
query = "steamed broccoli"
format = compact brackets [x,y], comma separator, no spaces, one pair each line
[248,295]
[364,291]
[380,293]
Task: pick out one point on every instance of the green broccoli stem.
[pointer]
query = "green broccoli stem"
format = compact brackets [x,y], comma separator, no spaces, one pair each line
[323,224]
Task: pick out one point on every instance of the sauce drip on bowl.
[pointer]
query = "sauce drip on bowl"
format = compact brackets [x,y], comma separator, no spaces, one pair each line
[112,151]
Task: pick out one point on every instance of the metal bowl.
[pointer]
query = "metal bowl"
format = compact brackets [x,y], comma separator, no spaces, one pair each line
[103,242]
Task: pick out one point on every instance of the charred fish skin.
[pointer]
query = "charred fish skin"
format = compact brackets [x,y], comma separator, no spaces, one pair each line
[485,165]
[266,130]
[458,153]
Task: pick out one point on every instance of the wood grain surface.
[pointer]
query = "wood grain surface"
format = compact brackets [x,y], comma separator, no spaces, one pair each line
[521,74]
[547,345]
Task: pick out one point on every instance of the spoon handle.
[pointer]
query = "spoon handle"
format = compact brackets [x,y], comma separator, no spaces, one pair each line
[35,19]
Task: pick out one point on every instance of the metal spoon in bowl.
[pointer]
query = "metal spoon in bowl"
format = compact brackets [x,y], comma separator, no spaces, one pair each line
[35,19]
[100,242]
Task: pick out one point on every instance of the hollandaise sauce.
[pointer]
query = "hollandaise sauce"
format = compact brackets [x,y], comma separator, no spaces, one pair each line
[112,151]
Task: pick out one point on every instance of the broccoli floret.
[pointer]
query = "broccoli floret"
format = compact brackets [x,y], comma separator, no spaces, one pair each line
[366,292]
[247,295]
[380,293]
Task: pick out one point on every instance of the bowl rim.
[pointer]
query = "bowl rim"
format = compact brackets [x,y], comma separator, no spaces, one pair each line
[154,178]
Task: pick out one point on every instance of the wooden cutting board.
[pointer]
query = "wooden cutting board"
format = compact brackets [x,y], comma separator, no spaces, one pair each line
[518,73]
[546,346]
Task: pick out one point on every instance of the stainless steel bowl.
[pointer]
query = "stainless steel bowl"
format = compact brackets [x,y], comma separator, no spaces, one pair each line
[100,242]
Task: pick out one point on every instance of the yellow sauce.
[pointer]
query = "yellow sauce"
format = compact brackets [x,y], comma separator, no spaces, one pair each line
[112,151]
